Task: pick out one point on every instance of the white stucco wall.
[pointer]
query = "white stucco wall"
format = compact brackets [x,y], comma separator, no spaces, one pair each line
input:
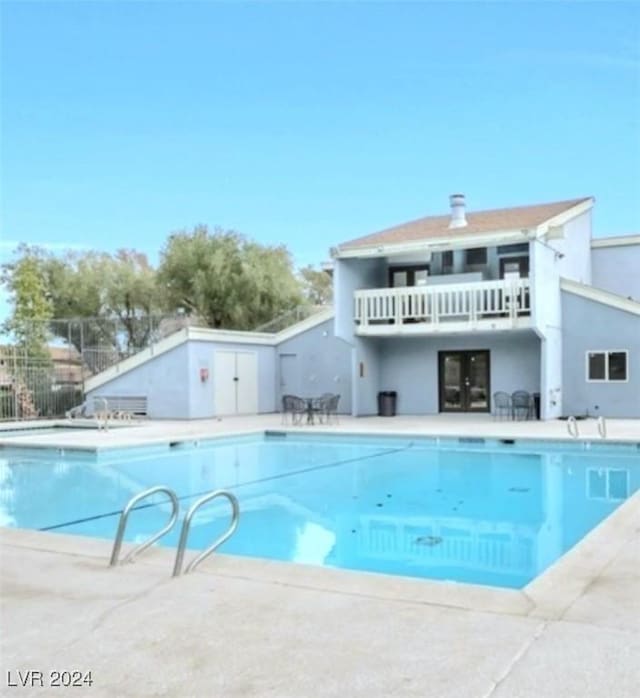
[575,245]
[547,322]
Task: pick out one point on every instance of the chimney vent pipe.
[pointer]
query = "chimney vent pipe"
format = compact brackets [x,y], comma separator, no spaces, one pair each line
[458,219]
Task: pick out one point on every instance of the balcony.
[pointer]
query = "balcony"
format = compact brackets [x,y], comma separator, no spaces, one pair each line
[483,305]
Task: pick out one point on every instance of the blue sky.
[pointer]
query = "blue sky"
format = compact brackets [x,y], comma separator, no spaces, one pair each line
[309,123]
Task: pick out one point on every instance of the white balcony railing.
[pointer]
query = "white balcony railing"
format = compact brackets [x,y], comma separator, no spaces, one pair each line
[422,309]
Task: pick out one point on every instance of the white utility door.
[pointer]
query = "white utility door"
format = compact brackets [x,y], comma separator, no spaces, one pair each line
[224,383]
[235,381]
[246,383]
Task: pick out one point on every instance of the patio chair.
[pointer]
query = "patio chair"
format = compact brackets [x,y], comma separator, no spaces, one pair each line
[521,404]
[502,405]
[319,407]
[294,406]
[326,407]
[331,408]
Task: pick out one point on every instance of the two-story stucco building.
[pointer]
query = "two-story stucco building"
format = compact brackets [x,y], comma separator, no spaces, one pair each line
[447,311]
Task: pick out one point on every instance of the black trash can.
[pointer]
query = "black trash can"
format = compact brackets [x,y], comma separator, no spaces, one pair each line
[536,404]
[387,400]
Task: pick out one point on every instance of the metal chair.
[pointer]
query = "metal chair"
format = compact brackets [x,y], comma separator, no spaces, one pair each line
[502,405]
[521,404]
[294,406]
[326,407]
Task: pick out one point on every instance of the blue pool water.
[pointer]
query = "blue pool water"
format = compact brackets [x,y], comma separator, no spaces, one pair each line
[470,510]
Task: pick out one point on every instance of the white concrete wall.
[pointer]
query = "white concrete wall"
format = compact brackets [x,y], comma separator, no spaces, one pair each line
[576,248]
[547,322]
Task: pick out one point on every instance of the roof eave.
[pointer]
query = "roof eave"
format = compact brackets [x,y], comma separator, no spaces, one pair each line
[618,241]
[564,217]
[444,242]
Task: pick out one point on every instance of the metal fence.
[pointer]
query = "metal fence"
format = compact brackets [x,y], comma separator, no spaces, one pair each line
[35,388]
[298,314]
[103,342]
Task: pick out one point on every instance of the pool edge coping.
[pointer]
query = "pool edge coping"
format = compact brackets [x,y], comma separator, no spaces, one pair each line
[308,431]
[548,596]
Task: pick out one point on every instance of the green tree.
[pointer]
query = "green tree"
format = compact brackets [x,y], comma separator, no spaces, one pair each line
[131,294]
[317,285]
[28,361]
[227,280]
[25,279]
[112,296]
[103,303]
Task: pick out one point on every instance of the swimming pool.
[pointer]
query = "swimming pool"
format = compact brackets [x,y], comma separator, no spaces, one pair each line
[470,510]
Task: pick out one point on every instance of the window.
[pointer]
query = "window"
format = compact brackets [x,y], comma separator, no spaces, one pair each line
[509,249]
[607,366]
[408,276]
[475,256]
[447,262]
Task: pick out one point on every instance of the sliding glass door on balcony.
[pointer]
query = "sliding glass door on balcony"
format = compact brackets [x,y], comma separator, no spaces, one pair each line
[464,381]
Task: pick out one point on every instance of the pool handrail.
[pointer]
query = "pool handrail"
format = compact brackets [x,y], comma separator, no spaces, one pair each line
[572,427]
[186,525]
[124,516]
[105,413]
[602,427]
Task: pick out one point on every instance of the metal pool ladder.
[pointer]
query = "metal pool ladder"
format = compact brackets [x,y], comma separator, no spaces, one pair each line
[235,515]
[175,509]
[572,427]
[124,517]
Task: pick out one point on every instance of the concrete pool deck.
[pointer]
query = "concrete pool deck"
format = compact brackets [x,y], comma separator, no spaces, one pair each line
[245,627]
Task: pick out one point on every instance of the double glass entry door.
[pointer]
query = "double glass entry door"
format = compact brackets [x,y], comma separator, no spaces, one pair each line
[464,381]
